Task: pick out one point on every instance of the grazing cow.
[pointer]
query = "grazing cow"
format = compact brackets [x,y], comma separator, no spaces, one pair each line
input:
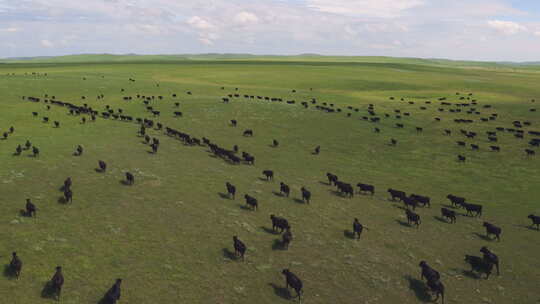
[377,130]
[251,202]
[292,280]
[30,208]
[475,147]
[530,152]
[357,228]
[239,247]
[248,132]
[113,294]
[429,273]
[456,200]
[412,218]
[15,266]
[437,288]
[275,143]
[332,179]
[345,189]
[306,194]
[409,201]
[479,265]
[419,129]
[27,144]
[393,142]
[35,151]
[317,150]
[396,194]
[279,223]
[286,238]
[461,158]
[449,214]
[366,188]
[472,208]
[56,124]
[490,257]
[269,174]
[535,220]
[284,189]
[79,150]
[154,147]
[447,132]
[231,189]
[424,200]
[495,148]
[56,282]
[234,122]
[130,178]
[492,229]
[460,143]
[18,150]
[5,135]
[67,183]
[68,195]
[177,114]
[102,165]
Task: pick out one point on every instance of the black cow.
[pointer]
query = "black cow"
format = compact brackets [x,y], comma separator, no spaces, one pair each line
[233,122]
[275,143]
[492,229]
[345,188]
[366,188]
[461,158]
[279,223]
[56,283]
[535,220]
[456,200]
[18,150]
[490,257]
[357,228]
[35,151]
[429,273]
[332,179]
[393,142]
[306,194]
[102,165]
[286,238]
[408,201]
[130,179]
[15,266]
[437,288]
[317,150]
[239,247]
[412,218]
[248,132]
[79,150]
[30,208]
[68,195]
[251,202]
[424,200]
[472,208]
[396,194]
[56,124]
[450,214]
[284,189]
[27,144]
[113,294]
[269,174]
[479,265]
[67,183]
[292,280]
[231,189]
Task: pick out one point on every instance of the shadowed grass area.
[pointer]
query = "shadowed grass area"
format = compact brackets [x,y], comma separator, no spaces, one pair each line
[169,236]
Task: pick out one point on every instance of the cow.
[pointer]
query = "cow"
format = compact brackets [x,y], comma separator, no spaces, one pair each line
[424,200]
[332,179]
[56,283]
[461,158]
[456,200]
[479,265]
[535,220]
[248,132]
[67,183]
[306,194]
[35,151]
[393,142]
[292,280]
[317,150]
[275,143]
[286,238]
[449,214]
[68,195]
[357,228]
[284,189]
[366,188]
[239,247]
[79,150]
[113,294]
[409,201]
[472,208]
[412,218]
[234,122]
[15,266]
[492,229]
[428,273]
[251,202]
[231,189]
[396,194]
[490,257]
[102,166]
[279,223]
[437,288]
[30,208]
[345,188]
[130,179]
[269,174]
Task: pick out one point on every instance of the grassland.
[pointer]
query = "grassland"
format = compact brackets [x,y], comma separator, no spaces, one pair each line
[166,236]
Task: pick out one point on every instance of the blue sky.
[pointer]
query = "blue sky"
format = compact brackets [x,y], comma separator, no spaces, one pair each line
[461,29]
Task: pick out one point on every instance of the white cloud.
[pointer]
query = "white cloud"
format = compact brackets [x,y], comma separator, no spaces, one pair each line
[46,43]
[537,33]
[506,27]
[199,23]
[9,29]
[371,8]
[245,18]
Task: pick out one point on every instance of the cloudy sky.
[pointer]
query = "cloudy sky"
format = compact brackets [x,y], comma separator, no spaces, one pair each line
[455,29]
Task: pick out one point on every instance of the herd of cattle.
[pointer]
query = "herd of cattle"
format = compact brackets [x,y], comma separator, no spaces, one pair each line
[481,265]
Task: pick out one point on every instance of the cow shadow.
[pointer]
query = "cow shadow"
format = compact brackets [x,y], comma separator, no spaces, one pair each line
[482,236]
[281,292]
[336,193]
[48,291]
[62,200]
[105,300]
[441,219]
[298,201]
[228,254]
[98,170]
[348,234]
[419,289]
[223,195]
[150,152]
[325,183]
[469,273]
[278,245]
[9,272]
[402,223]
[263,179]
[448,206]
[277,193]
[245,207]
[268,230]
[530,227]
[125,182]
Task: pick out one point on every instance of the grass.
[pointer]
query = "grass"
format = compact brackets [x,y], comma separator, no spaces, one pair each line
[170,235]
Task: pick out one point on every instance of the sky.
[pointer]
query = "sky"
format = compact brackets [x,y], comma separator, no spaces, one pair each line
[491,30]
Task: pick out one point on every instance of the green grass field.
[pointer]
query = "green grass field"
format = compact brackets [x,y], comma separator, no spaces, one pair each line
[168,235]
